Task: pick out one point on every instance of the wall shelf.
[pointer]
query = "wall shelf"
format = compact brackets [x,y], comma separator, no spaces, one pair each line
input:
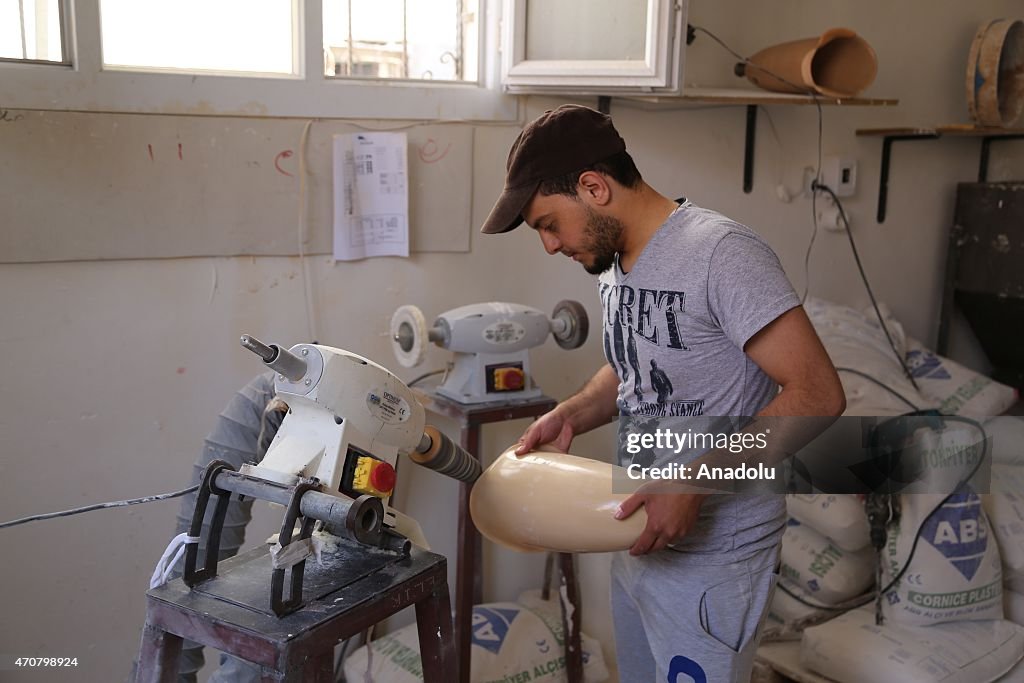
[890,135]
[751,99]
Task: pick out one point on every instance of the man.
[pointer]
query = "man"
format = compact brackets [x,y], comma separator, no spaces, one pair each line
[704,301]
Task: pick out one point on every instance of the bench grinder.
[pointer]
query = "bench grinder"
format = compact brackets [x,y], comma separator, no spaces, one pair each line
[491,343]
[332,461]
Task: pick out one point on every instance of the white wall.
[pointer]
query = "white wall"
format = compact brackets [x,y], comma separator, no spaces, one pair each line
[113,371]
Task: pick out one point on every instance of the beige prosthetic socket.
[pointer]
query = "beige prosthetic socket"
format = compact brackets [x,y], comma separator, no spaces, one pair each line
[546,500]
[838,63]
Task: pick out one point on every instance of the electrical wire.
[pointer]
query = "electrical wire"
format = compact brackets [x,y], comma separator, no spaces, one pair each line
[815,186]
[306,286]
[961,484]
[846,606]
[879,383]
[778,144]
[425,375]
[860,601]
[98,506]
[814,208]
[799,87]
[817,170]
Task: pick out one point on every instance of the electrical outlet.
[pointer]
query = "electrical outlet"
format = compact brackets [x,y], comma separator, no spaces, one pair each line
[840,174]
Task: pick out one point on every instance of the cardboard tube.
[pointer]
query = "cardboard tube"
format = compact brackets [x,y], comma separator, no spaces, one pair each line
[546,500]
[838,63]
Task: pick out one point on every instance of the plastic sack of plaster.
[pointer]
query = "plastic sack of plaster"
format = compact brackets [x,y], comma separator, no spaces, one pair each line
[827,573]
[839,518]
[1005,434]
[790,612]
[511,642]
[955,572]
[852,649]
[955,389]
[1016,674]
[1005,509]
[859,349]
[1013,606]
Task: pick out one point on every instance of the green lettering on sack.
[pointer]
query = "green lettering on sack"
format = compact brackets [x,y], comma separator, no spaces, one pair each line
[957,598]
[825,560]
[400,655]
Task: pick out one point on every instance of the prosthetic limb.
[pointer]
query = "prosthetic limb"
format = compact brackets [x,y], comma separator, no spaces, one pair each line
[551,501]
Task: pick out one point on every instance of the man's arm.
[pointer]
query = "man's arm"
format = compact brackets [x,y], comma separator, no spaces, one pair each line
[590,407]
[789,351]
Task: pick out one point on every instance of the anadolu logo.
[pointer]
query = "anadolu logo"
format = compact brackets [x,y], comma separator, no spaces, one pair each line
[490,626]
[958,531]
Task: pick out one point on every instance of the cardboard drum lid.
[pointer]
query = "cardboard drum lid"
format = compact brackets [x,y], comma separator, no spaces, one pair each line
[995,73]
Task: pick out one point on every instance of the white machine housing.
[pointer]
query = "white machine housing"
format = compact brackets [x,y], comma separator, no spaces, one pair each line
[344,404]
[485,336]
[491,343]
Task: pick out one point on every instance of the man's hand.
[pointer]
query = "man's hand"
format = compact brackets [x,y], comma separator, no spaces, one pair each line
[552,427]
[670,516]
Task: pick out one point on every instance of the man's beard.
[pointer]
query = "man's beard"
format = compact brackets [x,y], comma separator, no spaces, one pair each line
[602,241]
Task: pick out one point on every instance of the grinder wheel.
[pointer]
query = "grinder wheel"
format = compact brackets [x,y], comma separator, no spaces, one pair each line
[408,335]
[577,324]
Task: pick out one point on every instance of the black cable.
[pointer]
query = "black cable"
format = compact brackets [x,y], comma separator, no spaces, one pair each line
[961,484]
[817,171]
[815,186]
[879,383]
[800,87]
[98,506]
[424,376]
[865,599]
[814,208]
[854,603]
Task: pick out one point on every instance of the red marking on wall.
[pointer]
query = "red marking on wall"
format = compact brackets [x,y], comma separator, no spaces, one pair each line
[431,153]
[150,148]
[181,371]
[179,151]
[283,155]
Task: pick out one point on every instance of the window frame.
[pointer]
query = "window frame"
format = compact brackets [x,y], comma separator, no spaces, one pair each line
[86,85]
[661,72]
[63,11]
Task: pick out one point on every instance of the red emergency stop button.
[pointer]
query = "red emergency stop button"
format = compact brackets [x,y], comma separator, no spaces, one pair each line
[382,477]
[508,379]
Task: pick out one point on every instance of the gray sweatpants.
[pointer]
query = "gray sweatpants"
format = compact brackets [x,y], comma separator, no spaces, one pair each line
[681,620]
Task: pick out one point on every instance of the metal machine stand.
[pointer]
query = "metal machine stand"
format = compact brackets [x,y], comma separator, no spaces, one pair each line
[349,592]
[468,577]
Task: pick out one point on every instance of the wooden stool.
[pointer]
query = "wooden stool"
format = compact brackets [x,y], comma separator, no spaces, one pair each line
[354,588]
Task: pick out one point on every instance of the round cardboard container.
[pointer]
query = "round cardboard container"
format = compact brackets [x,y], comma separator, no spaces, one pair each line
[995,73]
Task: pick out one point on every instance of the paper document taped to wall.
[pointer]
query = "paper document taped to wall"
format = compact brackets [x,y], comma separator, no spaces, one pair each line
[371,195]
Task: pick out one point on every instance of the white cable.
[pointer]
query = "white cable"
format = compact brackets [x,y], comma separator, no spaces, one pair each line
[310,321]
[165,566]
[295,552]
[368,676]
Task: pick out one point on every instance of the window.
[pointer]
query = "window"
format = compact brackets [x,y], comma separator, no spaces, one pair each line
[602,47]
[401,39]
[247,36]
[32,30]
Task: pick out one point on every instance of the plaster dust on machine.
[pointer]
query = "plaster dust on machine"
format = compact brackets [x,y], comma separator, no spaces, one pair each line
[332,461]
[490,342]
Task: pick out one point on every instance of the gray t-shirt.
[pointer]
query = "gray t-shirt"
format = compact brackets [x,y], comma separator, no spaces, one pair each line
[674,331]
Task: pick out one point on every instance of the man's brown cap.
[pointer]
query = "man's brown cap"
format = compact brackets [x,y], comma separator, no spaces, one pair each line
[554,144]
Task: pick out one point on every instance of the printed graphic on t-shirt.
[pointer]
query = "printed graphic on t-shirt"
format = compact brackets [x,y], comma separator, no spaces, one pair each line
[637,319]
